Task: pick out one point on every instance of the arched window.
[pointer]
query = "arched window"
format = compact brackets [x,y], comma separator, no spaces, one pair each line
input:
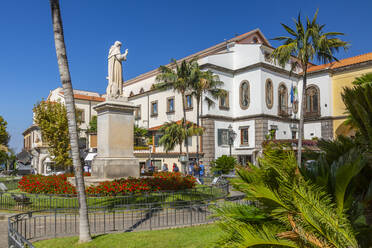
[269,93]
[312,103]
[244,94]
[283,100]
[131,93]
[141,90]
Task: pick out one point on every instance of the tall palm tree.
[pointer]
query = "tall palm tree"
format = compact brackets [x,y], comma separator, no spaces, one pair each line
[290,211]
[179,80]
[306,43]
[174,134]
[84,229]
[204,82]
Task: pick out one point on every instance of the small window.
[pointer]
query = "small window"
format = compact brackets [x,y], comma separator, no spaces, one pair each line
[283,100]
[189,140]
[154,108]
[188,101]
[244,94]
[312,104]
[244,136]
[137,113]
[294,135]
[141,91]
[224,101]
[80,115]
[223,137]
[269,93]
[255,40]
[170,105]
[157,138]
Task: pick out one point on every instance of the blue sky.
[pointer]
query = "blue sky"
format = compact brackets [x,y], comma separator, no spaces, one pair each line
[153,31]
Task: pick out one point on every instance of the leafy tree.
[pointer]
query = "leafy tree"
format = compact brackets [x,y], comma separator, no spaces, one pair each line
[363,80]
[51,117]
[4,135]
[291,211]
[174,134]
[93,125]
[140,136]
[223,165]
[4,139]
[179,80]
[306,43]
[84,229]
[204,82]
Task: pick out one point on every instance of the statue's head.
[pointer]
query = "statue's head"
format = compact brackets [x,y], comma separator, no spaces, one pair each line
[117,44]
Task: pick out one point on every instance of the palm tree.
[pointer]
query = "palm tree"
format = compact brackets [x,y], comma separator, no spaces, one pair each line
[179,80]
[305,44]
[289,210]
[174,134]
[84,229]
[204,82]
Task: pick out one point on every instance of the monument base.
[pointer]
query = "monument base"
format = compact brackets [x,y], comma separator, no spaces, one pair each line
[113,168]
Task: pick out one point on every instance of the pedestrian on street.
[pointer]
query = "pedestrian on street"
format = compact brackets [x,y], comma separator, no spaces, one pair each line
[175,168]
[164,168]
[201,172]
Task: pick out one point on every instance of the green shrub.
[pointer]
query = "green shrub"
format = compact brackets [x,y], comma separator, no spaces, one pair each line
[223,165]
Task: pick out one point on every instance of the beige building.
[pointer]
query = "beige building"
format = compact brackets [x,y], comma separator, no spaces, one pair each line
[33,143]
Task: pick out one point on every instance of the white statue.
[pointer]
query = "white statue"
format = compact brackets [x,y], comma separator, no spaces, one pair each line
[115,71]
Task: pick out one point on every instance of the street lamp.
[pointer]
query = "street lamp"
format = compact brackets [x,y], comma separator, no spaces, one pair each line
[231,137]
[150,148]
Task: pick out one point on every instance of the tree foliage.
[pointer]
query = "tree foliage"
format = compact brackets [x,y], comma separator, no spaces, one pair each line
[4,135]
[291,211]
[223,165]
[93,125]
[51,117]
[306,42]
[174,134]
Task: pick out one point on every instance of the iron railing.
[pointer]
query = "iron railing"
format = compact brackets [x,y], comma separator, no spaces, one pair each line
[11,184]
[25,228]
[30,202]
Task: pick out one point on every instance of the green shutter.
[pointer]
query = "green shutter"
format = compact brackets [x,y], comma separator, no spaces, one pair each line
[219,138]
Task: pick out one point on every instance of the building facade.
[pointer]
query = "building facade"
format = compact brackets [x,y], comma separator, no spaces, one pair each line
[261,100]
[33,143]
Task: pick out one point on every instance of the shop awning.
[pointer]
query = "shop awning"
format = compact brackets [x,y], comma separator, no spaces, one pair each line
[90,156]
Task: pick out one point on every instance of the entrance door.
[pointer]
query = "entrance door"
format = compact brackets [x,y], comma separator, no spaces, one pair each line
[244,159]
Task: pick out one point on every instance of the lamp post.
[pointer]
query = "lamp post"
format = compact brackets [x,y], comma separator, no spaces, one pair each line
[150,148]
[231,137]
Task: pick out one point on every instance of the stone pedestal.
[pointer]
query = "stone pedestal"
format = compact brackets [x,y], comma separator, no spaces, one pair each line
[115,157]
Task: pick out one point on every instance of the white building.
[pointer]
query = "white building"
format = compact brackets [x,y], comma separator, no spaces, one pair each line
[84,103]
[259,100]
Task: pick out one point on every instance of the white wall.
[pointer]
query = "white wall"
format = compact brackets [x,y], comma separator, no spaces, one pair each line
[312,130]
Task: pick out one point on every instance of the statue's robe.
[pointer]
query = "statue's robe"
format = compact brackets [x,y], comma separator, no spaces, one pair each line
[115,72]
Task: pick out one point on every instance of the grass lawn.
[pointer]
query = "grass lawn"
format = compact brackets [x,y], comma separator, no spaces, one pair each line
[189,237]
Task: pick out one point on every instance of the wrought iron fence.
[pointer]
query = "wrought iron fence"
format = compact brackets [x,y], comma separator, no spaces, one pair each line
[30,202]
[10,184]
[32,226]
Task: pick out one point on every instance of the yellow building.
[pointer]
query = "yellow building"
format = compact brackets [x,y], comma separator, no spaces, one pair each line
[342,74]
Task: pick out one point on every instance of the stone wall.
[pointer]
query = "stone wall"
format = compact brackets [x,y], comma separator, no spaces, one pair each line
[327,129]
[208,140]
[261,129]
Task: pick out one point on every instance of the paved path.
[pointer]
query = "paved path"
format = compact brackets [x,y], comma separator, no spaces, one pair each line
[4,230]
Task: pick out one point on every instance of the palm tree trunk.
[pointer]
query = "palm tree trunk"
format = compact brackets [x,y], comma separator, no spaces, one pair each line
[185,130]
[301,126]
[197,126]
[84,230]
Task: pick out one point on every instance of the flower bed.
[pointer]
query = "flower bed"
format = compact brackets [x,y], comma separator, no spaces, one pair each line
[59,185]
[39,184]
